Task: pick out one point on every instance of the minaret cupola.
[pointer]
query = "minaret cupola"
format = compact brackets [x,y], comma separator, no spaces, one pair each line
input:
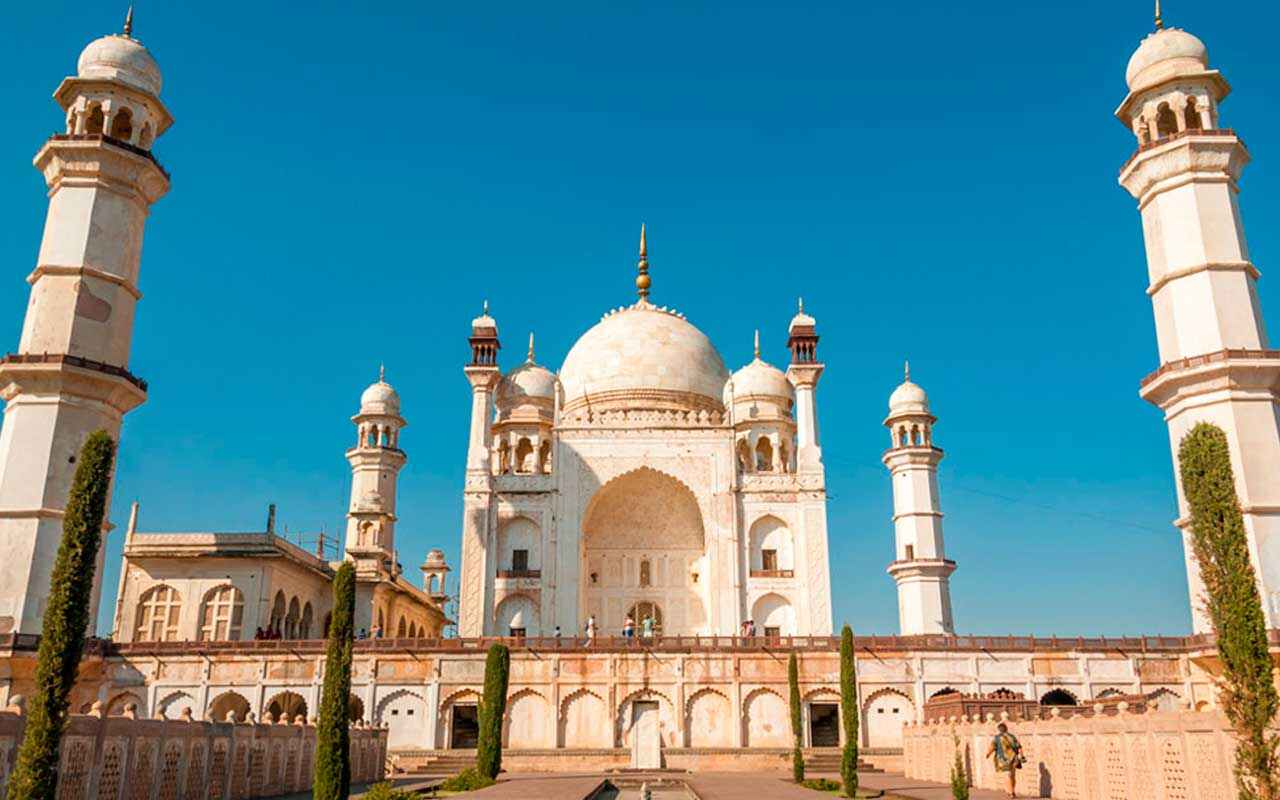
[803,372]
[909,421]
[484,340]
[375,461]
[526,402]
[762,399]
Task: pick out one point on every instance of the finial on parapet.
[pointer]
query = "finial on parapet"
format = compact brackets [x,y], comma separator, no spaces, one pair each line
[906,370]
[530,358]
[128,23]
[1159,17]
[757,345]
[643,281]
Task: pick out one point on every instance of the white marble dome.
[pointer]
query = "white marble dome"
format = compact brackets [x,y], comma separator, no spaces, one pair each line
[907,398]
[380,398]
[121,58]
[761,379]
[529,381]
[644,356]
[1165,54]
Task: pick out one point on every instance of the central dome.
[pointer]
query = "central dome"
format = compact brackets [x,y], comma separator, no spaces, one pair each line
[643,357]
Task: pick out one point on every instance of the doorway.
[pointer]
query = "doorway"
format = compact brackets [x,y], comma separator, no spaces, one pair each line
[464,728]
[646,741]
[824,725]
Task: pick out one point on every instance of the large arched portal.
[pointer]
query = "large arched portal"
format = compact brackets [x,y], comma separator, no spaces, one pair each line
[643,543]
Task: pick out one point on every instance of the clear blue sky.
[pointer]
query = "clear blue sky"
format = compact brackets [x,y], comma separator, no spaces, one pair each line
[936,178]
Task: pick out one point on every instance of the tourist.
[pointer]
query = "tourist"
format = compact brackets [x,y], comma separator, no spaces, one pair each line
[629,629]
[363,634]
[646,626]
[557,633]
[258,635]
[1008,755]
[591,630]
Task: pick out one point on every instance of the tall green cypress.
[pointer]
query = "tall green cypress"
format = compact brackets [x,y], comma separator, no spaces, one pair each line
[797,728]
[1234,607]
[66,618]
[497,671]
[333,736]
[849,713]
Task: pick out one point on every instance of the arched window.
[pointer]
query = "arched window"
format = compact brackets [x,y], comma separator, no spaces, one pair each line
[1193,115]
[1057,697]
[304,628]
[292,619]
[95,120]
[402,630]
[544,457]
[784,456]
[646,573]
[222,617]
[122,125]
[644,609]
[744,455]
[915,435]
[413,630]
[1166,121]
[372,440]
[903,441]
[524,456]
[277,613]
[146,138]
[504,457]
[764,455]
[159,609]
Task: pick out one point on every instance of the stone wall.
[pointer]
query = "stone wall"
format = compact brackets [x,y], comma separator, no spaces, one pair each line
[124,758]
[1097,756]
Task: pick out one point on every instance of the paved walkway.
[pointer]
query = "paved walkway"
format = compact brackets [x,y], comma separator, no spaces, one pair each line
[716,786]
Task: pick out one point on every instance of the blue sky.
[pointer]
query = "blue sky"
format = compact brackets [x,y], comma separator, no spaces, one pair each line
[936,179]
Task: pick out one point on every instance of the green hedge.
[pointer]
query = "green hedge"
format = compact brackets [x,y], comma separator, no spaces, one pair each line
[1233,605]
[333,735]
[66,618]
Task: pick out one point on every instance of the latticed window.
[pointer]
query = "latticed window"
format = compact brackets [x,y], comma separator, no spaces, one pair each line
[223,615]
[158,612]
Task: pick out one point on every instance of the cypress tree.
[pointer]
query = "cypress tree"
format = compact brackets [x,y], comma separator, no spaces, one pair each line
[797,757]
[66,618]
[333,735]
[497,670]
[959,776]
[849,710]
[1233,605]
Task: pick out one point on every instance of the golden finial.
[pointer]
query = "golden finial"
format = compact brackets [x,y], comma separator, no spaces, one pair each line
[757,343]
[801,305]
[530,347]
[643,281]
[486,308]
[128,23]
[906,370]
[1159,17]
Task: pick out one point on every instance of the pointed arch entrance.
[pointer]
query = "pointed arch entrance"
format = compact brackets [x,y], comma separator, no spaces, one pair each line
[642,542]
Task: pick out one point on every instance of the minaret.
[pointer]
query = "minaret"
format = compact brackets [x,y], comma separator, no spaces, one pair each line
[70,375]
[920,566]
[1215,362]
[804,371]
[375,461]
[483,375]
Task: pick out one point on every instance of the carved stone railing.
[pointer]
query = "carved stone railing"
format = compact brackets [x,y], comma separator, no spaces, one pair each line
[773,573]
[102,756]
[519,573]
[1173,137]
[74,361]
[114,142]
[1209,358]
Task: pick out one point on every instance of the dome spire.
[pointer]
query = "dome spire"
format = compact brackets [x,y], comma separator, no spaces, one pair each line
[757,344]
[128,23]
[906,370]
[1159,17]
[643,281]
[382,373]
[530,358]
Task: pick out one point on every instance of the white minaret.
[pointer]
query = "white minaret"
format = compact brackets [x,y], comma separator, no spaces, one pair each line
[375,461]
[483,375]
[920,566]
[70,375]
[804,371]
[1215,362]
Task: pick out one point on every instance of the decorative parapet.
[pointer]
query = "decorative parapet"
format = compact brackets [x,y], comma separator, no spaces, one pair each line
[182,758]
[1112,752]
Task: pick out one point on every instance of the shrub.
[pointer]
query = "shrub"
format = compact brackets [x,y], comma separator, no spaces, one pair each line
[66,618]
[1233,605]
[466,781]
[797,731]
[822,784]
[959,777]
[497,669]
[333,735]
[385,791]
[849,713]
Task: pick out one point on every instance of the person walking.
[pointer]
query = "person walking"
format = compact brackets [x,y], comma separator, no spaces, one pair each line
[646,627]
[591,630]
[629,629]
[1007,751]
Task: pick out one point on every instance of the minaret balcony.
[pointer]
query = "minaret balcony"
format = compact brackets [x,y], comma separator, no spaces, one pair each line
[1234,370]
[921,568]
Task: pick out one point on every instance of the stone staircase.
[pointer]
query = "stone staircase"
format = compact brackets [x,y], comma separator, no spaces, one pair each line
[827,759]
[433,763]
